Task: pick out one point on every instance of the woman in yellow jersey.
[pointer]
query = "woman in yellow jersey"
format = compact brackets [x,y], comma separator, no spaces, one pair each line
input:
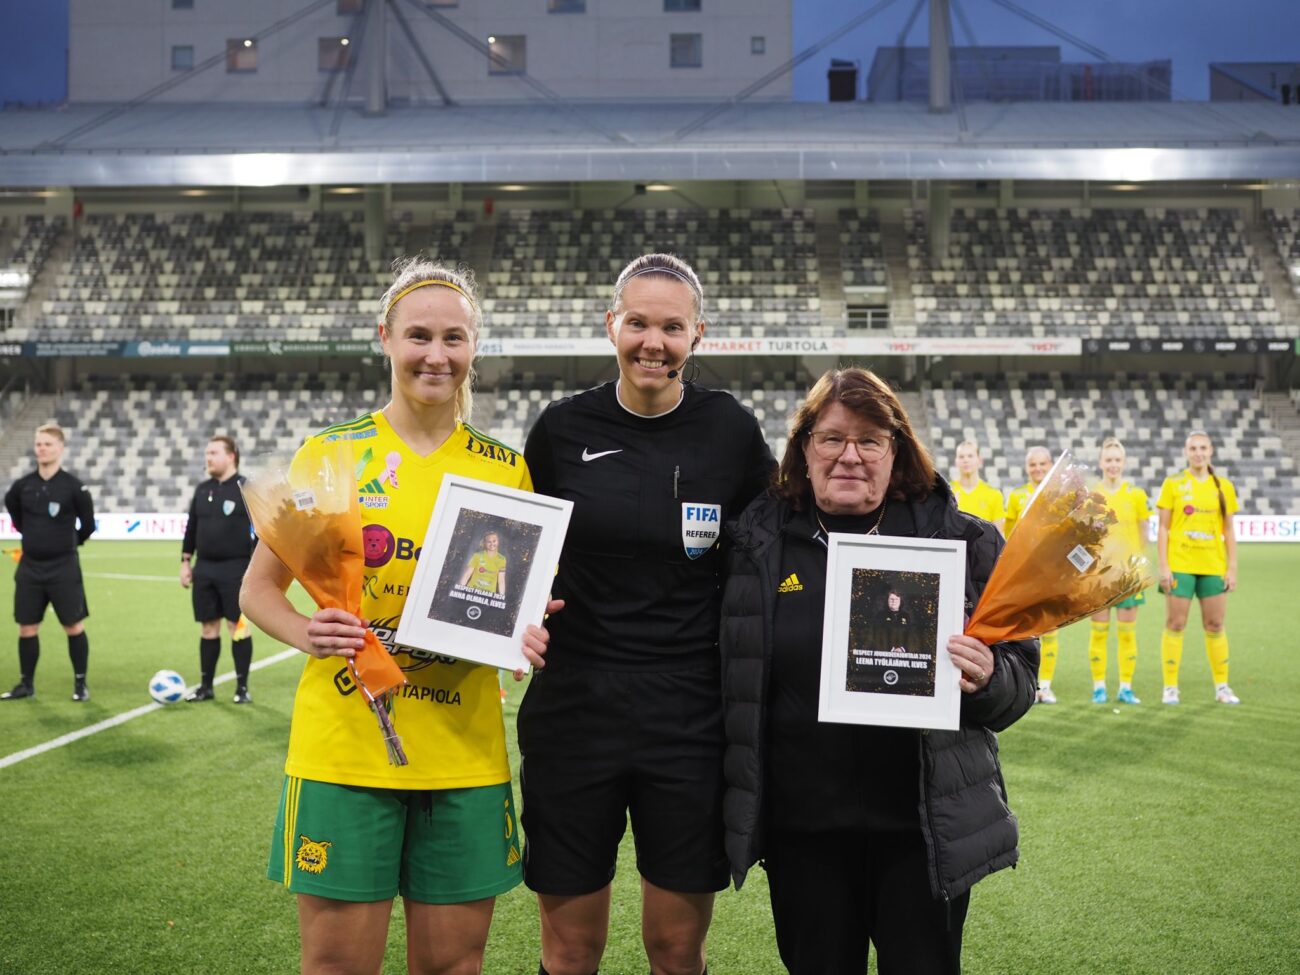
[1131,506]
[1038,461]
[353,831]
[487,567]
[1198,558]
[974,496]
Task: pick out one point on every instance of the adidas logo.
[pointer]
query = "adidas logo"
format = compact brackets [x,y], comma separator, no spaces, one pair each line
[791,584]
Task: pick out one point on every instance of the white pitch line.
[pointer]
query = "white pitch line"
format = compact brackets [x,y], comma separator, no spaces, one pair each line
[125,716]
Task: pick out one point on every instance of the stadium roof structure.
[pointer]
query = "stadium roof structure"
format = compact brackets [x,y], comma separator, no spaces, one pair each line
[159,144]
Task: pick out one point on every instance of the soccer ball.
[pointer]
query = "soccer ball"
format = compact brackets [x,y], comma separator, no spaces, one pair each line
[166,687]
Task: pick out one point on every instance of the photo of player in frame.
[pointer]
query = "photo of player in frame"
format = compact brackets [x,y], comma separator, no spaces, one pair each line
[893,625]
[484,552]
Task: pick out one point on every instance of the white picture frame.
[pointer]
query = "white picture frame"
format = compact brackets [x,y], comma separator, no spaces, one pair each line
[469,598]
[884,653]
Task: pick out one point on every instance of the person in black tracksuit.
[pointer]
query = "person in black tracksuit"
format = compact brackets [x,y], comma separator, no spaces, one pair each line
[870,835]
[54,513]
[219,530]
[627,714]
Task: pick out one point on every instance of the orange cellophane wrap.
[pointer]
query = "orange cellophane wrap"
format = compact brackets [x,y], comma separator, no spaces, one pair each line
[306,510]
[1036,587]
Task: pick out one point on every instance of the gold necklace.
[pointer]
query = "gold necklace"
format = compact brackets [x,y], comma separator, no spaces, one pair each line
[873,530]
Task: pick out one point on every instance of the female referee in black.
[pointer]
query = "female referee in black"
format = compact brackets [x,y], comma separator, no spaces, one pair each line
[627,716]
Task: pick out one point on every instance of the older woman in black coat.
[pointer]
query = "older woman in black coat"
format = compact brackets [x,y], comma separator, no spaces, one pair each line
[870,835]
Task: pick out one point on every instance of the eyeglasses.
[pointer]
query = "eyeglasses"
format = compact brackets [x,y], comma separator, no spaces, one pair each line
[829,446]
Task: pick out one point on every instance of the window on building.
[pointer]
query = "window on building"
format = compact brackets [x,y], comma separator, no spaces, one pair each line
[182,4]
[182,57]
[507,54]
[333,53]
[758,45]
[241,55]
[350,7]
[567,6]
[681,6]
[685,50]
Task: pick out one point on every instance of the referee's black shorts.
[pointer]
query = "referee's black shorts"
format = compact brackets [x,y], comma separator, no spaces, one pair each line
[40,583]
[215,589]
[597,746]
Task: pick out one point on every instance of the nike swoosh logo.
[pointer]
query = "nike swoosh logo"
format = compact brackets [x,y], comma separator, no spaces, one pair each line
[588,455]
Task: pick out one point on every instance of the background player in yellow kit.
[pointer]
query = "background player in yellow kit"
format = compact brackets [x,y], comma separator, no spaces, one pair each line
[1131,506]
[1198,558]
[974,496]
[487,567]
[353,831]
[1038,461]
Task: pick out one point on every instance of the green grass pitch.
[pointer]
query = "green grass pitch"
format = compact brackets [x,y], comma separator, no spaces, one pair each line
[1153,839]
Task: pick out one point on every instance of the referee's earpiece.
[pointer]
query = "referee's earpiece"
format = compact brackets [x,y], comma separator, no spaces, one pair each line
[695,343]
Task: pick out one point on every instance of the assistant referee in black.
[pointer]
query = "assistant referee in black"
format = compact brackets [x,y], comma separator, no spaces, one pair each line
[219,531]
[53,512]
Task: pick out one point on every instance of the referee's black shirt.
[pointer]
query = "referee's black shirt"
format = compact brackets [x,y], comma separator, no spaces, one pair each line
[218,527]
[54,516]
[634,599]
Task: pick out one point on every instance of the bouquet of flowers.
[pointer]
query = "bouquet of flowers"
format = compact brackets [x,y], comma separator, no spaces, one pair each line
[305,508]
[1065,560]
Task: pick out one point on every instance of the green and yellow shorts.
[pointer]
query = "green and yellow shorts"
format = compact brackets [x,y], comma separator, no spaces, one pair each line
[1133,602]
[1187,585]
[352,843]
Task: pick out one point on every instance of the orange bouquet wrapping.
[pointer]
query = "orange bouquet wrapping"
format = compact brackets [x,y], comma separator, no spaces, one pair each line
[1066,559]
[305,508]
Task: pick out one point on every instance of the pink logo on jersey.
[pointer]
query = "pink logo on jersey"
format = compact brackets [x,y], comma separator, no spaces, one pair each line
[390,474]
[378,544]
[1189,509]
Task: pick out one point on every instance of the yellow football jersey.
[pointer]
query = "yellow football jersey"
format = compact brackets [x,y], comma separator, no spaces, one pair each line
[1133,509]
[484,568]
[982,501]
[1195,525]
[1017,502]
[449,712]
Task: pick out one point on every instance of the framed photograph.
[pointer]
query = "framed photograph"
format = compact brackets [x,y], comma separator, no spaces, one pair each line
[891,604]
[484,572]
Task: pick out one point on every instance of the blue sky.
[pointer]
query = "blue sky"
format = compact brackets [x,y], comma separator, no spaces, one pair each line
[33,47]
[33,50]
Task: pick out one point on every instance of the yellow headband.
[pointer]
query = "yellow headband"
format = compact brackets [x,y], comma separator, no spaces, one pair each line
[423,284]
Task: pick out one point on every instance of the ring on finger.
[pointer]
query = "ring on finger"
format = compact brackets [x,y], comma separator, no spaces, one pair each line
[979,676]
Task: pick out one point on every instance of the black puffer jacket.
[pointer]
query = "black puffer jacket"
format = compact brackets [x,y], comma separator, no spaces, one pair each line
[969,830]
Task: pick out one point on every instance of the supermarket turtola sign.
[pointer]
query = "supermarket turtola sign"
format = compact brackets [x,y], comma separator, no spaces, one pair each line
[739,345]
[800,345]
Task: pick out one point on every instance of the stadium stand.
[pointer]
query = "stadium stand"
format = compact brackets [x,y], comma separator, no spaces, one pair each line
[1285,225]
[138,443]
[553,270]
[508,412]
[548,272]
[1095,273]
[301,275]
[36,237]
[862,253]
[773,397]
[229,276]
[1149,412]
